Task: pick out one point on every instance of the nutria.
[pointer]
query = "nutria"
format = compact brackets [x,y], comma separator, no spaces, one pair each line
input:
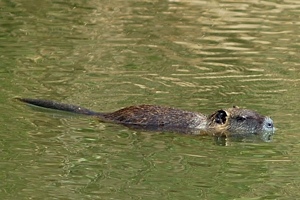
[159,118]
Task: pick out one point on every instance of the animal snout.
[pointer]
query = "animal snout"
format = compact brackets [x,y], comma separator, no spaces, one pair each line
[269,125]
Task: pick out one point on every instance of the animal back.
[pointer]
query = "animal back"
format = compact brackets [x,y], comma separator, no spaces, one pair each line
[152,117]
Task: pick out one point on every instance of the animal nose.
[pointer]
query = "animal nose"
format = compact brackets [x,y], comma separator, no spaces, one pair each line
[269,123]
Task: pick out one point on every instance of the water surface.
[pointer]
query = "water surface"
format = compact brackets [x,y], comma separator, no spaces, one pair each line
[105,55]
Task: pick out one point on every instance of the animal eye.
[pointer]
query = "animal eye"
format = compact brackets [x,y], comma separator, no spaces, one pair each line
[240,118]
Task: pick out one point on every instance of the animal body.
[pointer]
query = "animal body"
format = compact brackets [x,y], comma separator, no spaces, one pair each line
[160,118]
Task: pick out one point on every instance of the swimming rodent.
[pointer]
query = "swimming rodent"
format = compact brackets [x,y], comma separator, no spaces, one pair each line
[159,118]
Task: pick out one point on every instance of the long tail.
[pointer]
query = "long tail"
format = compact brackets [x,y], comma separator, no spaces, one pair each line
[59,106]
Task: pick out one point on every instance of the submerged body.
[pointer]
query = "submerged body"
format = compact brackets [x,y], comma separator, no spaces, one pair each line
[159,118]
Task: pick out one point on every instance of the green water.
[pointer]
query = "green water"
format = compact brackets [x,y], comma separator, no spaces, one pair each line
[105,55]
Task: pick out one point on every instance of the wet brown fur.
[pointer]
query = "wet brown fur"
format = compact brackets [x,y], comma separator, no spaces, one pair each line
[160,118]
[153,117]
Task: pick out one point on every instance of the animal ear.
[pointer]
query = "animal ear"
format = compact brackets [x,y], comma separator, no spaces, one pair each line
[220,117]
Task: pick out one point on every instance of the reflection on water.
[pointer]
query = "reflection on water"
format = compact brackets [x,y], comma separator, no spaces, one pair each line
[252,138]
[195,55]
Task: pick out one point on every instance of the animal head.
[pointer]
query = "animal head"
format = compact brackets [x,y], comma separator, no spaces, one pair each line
[239,121]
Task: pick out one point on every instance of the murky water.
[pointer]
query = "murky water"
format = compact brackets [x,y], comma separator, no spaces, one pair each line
[194,55]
